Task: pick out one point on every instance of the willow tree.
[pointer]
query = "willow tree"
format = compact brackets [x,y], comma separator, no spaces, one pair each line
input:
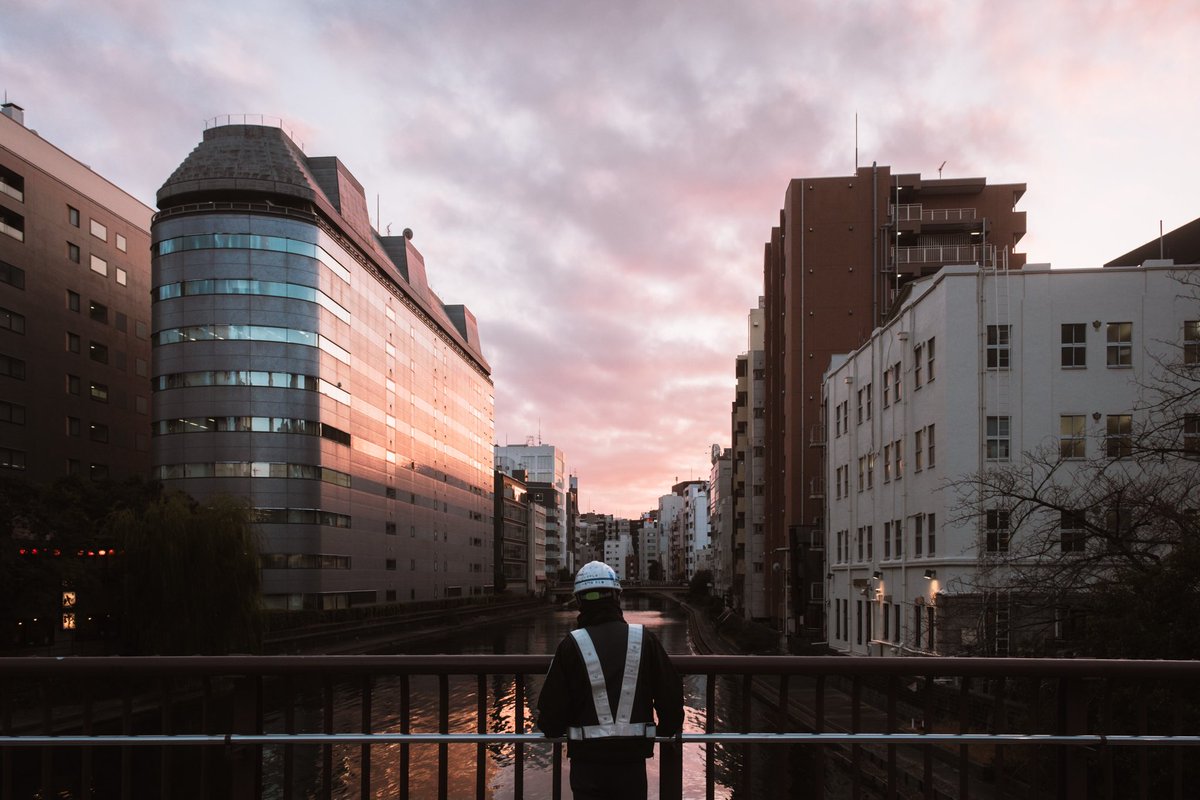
[191,576]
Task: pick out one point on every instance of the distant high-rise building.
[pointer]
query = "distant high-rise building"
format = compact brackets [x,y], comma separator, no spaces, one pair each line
[302,361]
[545,467]
[720,520]
[74,315]
[837,264]
[520,531]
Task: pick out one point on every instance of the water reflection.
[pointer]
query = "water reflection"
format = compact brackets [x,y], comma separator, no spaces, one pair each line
[505,712]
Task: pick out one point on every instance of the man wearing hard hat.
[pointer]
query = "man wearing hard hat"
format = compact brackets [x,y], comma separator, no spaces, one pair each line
[606,683]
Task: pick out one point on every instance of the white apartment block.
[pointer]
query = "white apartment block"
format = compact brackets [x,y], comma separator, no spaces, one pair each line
[975,369]
[544,464]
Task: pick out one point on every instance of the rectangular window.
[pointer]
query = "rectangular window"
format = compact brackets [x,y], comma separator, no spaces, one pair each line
[1073,528]
[996,530]
[930,534]
[858,413]
[72,301]
[929,349]
[12,413]
[917,353]
[72,342]
[1074,345]
[868,391]
[13,276]
[1120,344]
[12,184]
[1191,435]
[998,339]
[860,543]
[98,352]
[1118,524]
[98,312]
[887,540]
[862,466]
[897,394]
[389,563]
[887,387]
[870,534]
[997,438]
[1072,442]
[898,538]
[99,265]
[98,392]
[73,252]
[122,245]
[98,230]
[871,471]
[918,448]
[1118,443]
[72,426]
[12,367]
[898,456]
[1191,341]
[122,277]
[72,384]
[12,224]
[73,216]
[918,535]
[98,432]
[12,321]
[887,463]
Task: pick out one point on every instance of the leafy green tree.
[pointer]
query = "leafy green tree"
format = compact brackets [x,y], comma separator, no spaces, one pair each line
[191,576]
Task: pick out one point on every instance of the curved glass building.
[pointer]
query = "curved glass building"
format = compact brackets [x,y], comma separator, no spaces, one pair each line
[302,362]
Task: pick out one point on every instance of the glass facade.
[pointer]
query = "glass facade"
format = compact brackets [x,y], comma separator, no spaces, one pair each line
[290,372]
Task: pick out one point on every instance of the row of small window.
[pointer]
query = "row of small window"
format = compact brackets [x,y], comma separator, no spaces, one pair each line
[300,516]
[252,241]
[303,561]
[862,549]
[924,371]
[1118,344]
[97,229]
[1072,443]
[254,288]
[924,457]
[306,427]
[97,264]
[97,431]
[252,469]
[250,333]
[923,633]
[1075,529]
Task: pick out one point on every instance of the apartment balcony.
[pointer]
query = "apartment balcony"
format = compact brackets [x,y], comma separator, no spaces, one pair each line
[817,436]
[816,488]
[941,254]
[914,217]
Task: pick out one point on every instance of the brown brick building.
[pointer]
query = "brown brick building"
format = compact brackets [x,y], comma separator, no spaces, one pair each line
[74,315]
[841,255]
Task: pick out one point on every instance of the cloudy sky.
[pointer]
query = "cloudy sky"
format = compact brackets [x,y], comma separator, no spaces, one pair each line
[596,179]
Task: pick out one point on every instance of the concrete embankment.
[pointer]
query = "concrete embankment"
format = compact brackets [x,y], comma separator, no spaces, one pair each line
[370,635]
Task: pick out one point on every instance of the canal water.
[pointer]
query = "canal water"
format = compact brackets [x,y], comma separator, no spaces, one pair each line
[536,634]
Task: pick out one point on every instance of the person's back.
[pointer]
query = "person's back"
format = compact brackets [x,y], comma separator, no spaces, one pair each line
[607,681]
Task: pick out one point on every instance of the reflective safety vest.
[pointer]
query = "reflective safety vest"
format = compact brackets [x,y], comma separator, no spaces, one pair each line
[610,726]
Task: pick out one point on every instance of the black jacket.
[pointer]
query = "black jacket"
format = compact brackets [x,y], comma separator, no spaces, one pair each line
[566,697]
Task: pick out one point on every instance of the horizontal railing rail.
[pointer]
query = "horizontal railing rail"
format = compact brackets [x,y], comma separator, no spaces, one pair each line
[245,726]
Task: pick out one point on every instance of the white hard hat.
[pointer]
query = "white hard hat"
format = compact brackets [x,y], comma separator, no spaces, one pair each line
[596,575]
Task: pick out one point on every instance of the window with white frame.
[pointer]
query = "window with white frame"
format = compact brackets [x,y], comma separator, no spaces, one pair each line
[918,448]
[998,340]
[1074,345]
[898,458]
[870,536]
[868,389]
[918,535]
[898,538]
[1120,344]
[860,543]
[996,531]
[862,468]
[918,351]
[1118,440]
[930,534]
[929,350]
[1072,433]
[897,393]
[887,463]
[997,438]
[1191,435]
[1191,341]
[887,387]
[1072,527]
[871,470]
[929,446]
[887,540]
[858,409]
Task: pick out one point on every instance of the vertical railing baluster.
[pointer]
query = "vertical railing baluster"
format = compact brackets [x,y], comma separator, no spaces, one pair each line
[126,752]
[964,726]
[927,727]
[481,728]
[785,725]
[205,727]
[893,685]
[1072,720]
[710,704]
[819,727]
[6,753]
[405,727]
[746,727]
[259,723]
[1176,730]
[85,767]
[519,727]
[47,778]
[856,748]
[999,725]
[327,727]
[289,723]
[1106,753]
[364,780]
[1143,727]
[164,757]
[443,727]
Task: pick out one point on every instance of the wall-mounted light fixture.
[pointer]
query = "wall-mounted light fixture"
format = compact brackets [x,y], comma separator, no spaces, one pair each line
[1096,324]
[930,574]
[1096,416]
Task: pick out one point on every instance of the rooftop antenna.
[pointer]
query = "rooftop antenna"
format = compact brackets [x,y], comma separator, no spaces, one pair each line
[856,142]
[940,170]
[1160,240]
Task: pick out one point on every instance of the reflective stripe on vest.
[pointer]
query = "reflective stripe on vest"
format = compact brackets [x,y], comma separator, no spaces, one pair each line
[610,726]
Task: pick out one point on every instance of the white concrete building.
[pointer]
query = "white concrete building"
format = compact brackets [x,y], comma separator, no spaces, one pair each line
[975,369]
[544,464]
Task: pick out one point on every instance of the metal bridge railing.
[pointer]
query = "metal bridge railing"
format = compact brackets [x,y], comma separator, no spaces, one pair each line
[933,727]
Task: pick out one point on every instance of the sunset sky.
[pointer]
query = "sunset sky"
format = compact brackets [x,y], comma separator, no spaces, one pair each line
[595,180]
